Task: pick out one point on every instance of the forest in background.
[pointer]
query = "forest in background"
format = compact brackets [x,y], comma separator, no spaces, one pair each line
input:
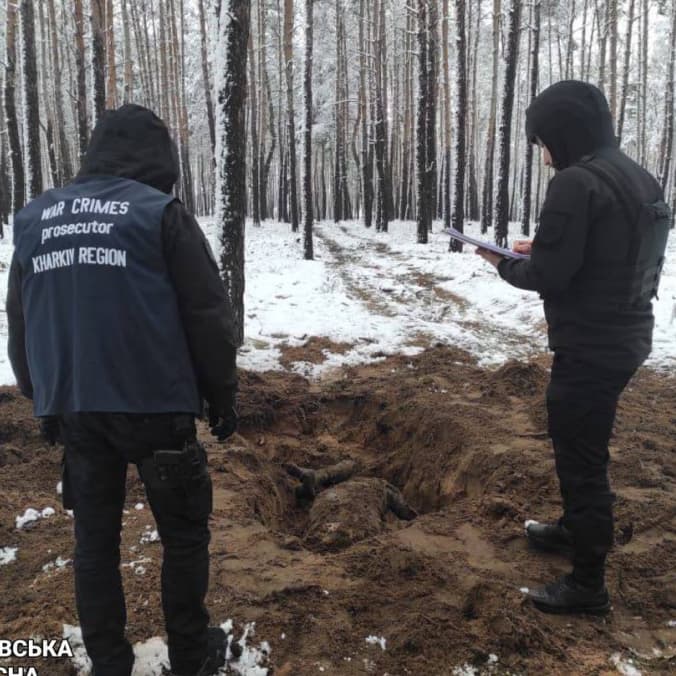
[353,109]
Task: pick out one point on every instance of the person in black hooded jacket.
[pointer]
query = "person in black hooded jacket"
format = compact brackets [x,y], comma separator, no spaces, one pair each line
[595,260]
[119,328]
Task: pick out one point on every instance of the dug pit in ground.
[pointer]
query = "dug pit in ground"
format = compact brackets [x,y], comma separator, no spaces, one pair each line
[465,448]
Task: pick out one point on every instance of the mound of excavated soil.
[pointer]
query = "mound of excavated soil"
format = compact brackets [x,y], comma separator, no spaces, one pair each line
[466,448]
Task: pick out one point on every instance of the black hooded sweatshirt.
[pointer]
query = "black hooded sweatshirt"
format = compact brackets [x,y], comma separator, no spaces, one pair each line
[583,227]
[132,142]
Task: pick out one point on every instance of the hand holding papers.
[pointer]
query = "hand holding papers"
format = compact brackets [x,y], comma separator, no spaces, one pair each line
[487,246]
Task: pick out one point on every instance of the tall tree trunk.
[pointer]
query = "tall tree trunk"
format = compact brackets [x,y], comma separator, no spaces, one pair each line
[666,146]
[643,88]
[128,82]
[612,60]
[472,183]
[447,112]
[111,88]
[502,203]
[366,164]
[15,152]
[308,251]
[535,69]
[253,120]
[66,172]
[625,69]
[81,101]
[30,77]
[291,125]
[460,123]
[602,22]
[98,14]
[205,74]
[384,178]
[233,36]
[487,197]
[431,115]
[423,214]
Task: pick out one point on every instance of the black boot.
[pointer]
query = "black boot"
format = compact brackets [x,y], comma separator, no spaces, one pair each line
[566,596]
[549,537]
[217,648]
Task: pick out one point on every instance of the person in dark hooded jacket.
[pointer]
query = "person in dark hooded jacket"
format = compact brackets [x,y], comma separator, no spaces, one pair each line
[595,260]
[119,328]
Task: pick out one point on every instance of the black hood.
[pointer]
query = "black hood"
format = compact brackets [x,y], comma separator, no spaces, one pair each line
[132,142]
[572,119]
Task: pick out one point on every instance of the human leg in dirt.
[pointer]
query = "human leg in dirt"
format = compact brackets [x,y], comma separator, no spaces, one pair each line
[581,404]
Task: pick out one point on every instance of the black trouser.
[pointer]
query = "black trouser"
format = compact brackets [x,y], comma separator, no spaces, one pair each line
[581,404]
[98,447]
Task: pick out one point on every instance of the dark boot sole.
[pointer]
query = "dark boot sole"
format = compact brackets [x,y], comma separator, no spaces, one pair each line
[599,610]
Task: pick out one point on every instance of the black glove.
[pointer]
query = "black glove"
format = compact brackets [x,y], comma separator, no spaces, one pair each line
[50,430]
[223,420]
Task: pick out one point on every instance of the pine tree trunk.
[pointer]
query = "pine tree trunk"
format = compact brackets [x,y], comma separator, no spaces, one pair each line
[111,88]
[128,83]
[446,196]
[472,184]
[233,36]
[291,124]
[505,131]
[205,75]
[15,151]
[535,69]
[66,165]
[30,72]
[98,13]
[625,69]
[487,197]
[643,87]
[81,101]
[666,146]
[366,164]
[253,120]
[421,124]
[308,251]
[460,123]
[384,179]
[431,115]
[612,60]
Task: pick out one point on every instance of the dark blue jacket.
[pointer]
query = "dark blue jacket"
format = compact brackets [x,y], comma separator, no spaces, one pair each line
[115,303]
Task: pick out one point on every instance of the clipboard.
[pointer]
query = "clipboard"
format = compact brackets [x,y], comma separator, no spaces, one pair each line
[489,246]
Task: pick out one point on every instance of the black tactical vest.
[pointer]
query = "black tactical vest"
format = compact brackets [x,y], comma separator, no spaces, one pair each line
[103,331]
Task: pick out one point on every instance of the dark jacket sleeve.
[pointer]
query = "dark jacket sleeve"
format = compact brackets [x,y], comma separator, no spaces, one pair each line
[559,244]
[16,344]
[203,305]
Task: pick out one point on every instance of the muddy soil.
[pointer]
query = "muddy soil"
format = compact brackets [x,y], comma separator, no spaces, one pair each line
[467,449]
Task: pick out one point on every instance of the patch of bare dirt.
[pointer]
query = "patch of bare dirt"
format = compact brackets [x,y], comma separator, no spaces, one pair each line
[315,350]
[463,446]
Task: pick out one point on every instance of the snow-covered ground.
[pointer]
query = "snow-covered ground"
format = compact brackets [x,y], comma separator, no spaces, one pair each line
[382,293]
